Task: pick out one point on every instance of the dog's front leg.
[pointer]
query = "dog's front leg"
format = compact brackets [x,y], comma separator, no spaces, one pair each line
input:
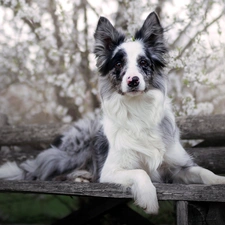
[189,172]
[143,190]
[197,174]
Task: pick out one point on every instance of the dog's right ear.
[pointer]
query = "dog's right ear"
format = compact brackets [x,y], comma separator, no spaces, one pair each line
[106,38]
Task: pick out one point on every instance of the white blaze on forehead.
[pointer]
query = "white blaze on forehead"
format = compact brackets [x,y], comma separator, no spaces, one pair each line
[133,50]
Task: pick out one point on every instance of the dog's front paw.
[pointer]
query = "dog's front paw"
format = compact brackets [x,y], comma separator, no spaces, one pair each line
[81,176]
[147,199]
[152,207]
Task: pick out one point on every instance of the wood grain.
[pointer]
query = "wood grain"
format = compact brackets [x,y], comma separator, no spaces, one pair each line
[212,158]
[212,193]
[198,127]
[202,127]
[30,134]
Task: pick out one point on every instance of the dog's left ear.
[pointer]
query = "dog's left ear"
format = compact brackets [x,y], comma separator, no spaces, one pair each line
[151,29]
[151,33]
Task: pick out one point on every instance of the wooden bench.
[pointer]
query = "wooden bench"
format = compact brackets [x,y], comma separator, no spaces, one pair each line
[195,204]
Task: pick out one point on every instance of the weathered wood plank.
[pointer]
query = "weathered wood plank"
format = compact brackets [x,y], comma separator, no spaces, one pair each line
[212,158]
[202,127]
[199,127]
[193,192]
[30,134]
[213,193]
[65,188]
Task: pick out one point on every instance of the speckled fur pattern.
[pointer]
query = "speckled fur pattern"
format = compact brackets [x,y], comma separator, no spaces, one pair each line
[135,141]
[83,147]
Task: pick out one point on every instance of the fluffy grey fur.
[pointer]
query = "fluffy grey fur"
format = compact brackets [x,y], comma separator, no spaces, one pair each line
[82,148]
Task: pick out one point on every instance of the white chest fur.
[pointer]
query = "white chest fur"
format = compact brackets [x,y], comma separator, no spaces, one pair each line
[131,125]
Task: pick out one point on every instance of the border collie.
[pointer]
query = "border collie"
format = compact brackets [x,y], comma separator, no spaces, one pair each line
[136,141]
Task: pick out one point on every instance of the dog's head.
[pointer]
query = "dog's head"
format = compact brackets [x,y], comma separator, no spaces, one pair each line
[130,67]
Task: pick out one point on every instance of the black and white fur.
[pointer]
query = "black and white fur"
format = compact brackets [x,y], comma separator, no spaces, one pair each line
[136,142]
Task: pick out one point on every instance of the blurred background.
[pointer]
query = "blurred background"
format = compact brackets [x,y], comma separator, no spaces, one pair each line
[47,68]
[48,73]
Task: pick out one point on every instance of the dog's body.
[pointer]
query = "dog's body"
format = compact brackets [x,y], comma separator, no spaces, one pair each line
[136,142]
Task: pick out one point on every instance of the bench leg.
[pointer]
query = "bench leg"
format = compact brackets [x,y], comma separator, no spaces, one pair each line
[200,213]
[182,212]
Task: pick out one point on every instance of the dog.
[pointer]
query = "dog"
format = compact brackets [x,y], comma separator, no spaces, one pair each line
[135,141]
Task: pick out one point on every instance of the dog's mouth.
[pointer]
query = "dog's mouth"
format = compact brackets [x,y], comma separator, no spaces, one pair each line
[133,92]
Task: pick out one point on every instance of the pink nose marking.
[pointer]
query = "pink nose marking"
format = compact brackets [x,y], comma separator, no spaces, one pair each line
[129,79]
[133,81]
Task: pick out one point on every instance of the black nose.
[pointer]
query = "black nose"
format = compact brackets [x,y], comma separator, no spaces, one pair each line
[134,82]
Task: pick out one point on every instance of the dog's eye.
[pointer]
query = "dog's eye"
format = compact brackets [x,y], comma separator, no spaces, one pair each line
[118,65]
[143,63]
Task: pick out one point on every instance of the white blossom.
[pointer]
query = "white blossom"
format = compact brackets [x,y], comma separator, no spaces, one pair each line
[49,64]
